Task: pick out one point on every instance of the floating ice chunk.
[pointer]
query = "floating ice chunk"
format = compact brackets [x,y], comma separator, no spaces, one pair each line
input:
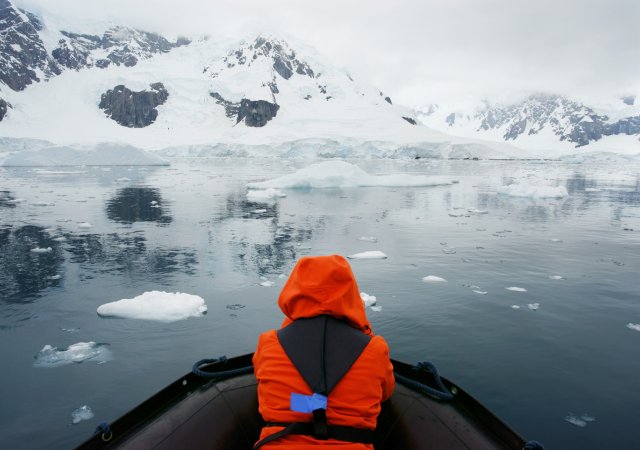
[54,277]
[16,200]
[515,307]
[368,238]
[84,225]
[41,250]
[373,254]
[433,279]
[592,189]
[516,289]
[153,203]
[527,190]
[51,356]
[80,414]
[634,326]
[156,305]
[340,174]
[43,204]
[556,277]
[476,211]
[534,306]
[259,211]
[555,240]
[579,421]
[478,291]
[267,283]
[376,308]
[266,194]
[368,300]
[60,239]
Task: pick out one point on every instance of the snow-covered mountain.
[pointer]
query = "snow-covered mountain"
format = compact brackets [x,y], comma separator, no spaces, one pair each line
[201,96]
[544,121]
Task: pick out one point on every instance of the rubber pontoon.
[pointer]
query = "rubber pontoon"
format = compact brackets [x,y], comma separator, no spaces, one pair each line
[195,412]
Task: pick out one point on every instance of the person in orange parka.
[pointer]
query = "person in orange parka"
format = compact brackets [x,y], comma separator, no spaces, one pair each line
[323,376]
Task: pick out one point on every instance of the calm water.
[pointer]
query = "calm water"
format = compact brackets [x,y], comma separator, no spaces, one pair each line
[574,355]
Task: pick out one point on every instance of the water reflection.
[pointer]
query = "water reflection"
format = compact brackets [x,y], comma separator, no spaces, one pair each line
[128,254]
[30,261]
[137,204]
[7,200]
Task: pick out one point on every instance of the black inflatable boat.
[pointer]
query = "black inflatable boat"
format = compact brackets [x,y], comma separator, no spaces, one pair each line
[221,412]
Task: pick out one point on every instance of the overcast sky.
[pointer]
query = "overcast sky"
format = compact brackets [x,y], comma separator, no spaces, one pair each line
[421,51]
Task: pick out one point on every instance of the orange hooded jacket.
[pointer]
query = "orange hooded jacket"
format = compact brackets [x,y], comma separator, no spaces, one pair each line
[322,285]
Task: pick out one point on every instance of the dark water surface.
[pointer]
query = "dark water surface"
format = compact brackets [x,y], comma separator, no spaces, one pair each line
[190,228]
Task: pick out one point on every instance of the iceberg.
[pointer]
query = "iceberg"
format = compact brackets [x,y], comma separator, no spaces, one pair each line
[433,279]
[341,174]
[373,254]
[156,305]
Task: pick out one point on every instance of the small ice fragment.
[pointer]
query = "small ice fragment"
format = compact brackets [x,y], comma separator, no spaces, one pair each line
[374,254]
[43,204]
[153,202]
[376,308]
[368,300]
[433,279]
[580,421]
[368,238]
[265,194]
[80,414]
[448,251]
[235,306]
[478,291]
[54,277]
[555,240]
[41,250]
[515,307]
[633,326]
[592,189]
[267,283]
[51,356]
[516,289]
[60,239]
[84,225]
[155,206]
[477,211]
[71,330]
[259,211]
[534,306]
[16,200]
[556,277]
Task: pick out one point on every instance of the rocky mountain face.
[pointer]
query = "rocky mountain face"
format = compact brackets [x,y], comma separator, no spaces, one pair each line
[133,109]
[23,57]
[569,120]
[118,45]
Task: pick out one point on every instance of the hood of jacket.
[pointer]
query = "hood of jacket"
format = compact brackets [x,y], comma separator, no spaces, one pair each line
[323,285]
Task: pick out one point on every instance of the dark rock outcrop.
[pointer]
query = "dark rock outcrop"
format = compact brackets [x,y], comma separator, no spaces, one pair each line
[3,109]
[23,57]
[133,109]
[410,120]
[256,113]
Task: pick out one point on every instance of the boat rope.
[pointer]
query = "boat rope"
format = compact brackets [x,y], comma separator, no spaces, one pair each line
[104,428]
[442,393]
[218,373]
[532,445]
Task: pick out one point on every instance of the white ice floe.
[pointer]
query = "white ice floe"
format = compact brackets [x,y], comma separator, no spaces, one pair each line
[84,225]
[579,421]
[156,305]
[368,300]
[264,194]
[527,190]
[634,326]
[341,174]
[478,291]
[592,189]
[267,283]
[368,238]
[51,356]
[515,306]
[376,308]
[54,277]
[534,306]
[433,279]
[41,250]
[515,289]
[80,414]
[556,277]
[373,254]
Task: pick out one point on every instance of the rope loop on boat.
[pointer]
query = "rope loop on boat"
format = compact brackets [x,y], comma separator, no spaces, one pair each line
[104,428]
[442,393]
[218,373]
